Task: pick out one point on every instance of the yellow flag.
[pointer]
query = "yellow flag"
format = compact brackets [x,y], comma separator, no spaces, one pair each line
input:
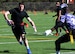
[71,37]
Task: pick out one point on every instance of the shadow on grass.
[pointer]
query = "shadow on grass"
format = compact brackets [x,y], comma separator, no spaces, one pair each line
[61,49]
[68,49]
[7,51]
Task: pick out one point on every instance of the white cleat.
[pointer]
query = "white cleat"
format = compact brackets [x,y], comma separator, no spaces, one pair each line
[47,32]
[57,52]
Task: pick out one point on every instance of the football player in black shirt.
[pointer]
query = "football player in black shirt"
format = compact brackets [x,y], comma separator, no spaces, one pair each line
[16,22]
[59,21]
[64,7]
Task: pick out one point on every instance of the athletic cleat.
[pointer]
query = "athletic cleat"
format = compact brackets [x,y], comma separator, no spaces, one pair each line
[47,32]
[57,52]
[56,34]
[29,51]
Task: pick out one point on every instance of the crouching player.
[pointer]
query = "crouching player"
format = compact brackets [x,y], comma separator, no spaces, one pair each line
[70,24]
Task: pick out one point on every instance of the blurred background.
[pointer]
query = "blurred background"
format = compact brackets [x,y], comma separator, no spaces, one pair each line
[37,5]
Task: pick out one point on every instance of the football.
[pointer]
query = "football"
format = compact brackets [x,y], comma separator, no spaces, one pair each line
[48,32]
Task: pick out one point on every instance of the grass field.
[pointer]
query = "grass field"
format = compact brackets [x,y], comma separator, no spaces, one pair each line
[39,43]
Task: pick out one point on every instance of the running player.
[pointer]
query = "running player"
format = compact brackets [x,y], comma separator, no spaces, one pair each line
[58,10]
[60,18]
[16,23]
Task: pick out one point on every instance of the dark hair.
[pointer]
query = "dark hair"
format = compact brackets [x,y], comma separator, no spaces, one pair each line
[21,3]
[57,1]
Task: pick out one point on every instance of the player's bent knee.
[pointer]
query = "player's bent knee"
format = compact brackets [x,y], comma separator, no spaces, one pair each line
[57,42]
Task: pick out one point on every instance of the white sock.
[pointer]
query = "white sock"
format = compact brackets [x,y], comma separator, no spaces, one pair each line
[57,52]
[28,47]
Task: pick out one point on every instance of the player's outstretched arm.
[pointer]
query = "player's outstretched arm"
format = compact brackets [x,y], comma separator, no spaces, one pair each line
[32,23]
[59,15]
[10,22]
[6,15]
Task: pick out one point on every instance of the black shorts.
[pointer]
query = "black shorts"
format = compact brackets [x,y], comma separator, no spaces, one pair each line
[56,22]
[18,30]
[66,37]
[59,24]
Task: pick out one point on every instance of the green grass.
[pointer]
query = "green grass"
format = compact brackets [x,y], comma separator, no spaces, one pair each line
[43,22]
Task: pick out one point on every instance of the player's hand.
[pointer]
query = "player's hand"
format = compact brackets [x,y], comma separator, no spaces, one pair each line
[10,22]
[34,27]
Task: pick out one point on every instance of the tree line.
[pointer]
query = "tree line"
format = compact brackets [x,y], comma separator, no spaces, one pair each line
[28,0]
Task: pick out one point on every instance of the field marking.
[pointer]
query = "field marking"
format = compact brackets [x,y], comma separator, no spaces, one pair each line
[38,33]
[65,52]
[41,41]
[33,39]
[6,34]
[8,42]
[1,43]
[28,41]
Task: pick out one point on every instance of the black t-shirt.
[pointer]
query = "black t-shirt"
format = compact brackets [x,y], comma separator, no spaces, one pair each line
[58,9]
[17,15]
[63,10]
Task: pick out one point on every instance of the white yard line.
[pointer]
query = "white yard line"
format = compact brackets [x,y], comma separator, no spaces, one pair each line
[72,52]
[29,41]
[5,34]
[8,42]
[41,40]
